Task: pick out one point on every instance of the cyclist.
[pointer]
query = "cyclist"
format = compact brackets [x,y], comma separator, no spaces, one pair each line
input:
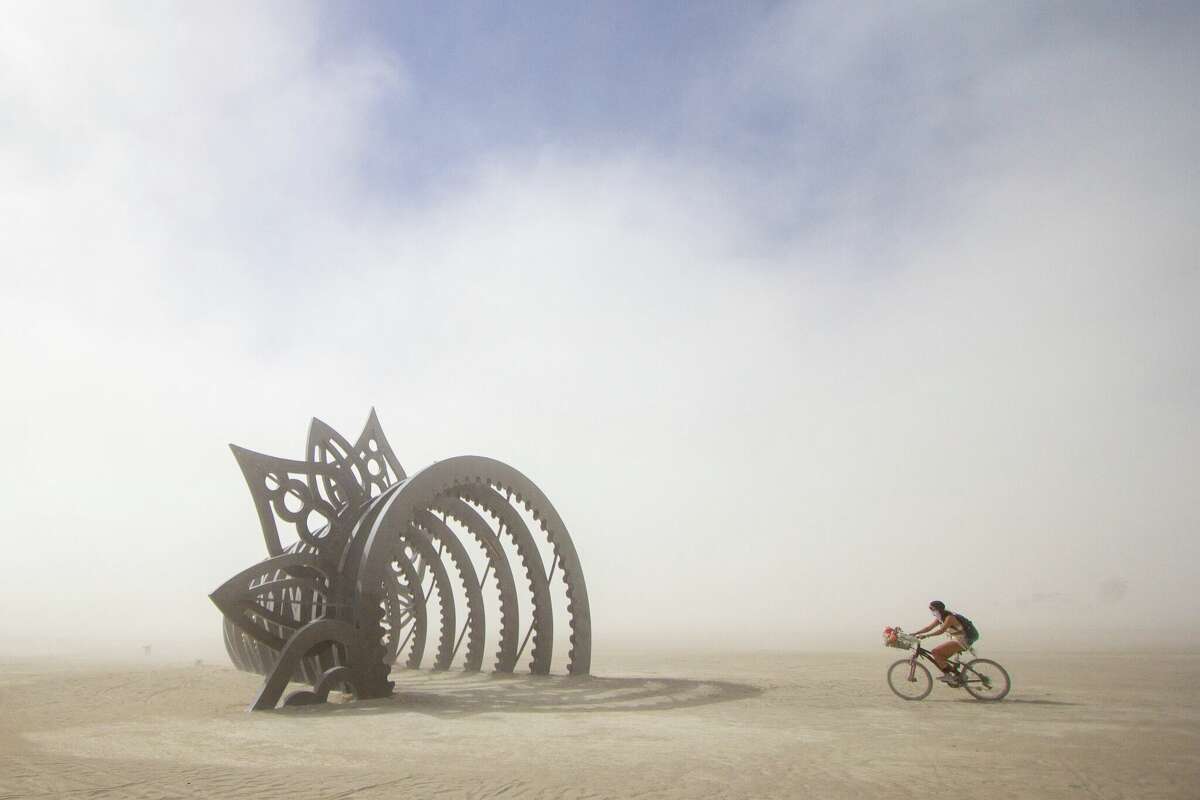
[962,635]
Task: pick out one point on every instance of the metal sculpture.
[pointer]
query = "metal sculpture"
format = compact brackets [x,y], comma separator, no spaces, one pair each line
[348,599]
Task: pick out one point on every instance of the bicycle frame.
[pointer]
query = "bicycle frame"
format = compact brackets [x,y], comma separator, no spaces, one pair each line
[918,652]
[961,669]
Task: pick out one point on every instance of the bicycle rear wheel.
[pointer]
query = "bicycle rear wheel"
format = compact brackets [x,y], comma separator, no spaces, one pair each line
[914,686]
[984,679]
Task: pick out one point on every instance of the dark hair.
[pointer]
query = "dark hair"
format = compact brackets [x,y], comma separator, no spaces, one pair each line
[938,606]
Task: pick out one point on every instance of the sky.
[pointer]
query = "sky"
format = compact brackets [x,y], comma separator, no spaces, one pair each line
[801,317]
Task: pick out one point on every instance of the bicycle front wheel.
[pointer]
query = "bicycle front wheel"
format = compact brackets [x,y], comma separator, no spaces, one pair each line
[909,681]
[984,679]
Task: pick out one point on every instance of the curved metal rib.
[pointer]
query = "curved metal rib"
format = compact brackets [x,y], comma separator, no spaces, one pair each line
[418,611]
[579,610]
[476,621]
[421,543]
[510,616]
[541,609]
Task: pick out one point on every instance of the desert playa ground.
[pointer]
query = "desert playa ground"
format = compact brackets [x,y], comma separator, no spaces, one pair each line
[681,725]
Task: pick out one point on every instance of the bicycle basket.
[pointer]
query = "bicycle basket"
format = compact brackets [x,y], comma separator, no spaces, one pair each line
[895,637]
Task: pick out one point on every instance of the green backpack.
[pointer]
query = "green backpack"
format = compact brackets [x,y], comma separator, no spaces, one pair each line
[968,628]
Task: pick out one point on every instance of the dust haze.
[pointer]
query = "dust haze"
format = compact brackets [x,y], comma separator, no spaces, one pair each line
[945,347]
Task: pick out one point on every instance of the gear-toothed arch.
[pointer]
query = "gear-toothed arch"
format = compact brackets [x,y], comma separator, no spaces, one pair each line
[420,542]
[397,616]
[541,607]
[506,587]
[476,620]
[469,475]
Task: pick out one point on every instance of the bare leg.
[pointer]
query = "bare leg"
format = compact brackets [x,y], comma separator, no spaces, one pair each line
[943,651]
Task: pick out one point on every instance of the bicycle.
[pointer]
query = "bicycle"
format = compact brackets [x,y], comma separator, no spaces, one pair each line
[983,678]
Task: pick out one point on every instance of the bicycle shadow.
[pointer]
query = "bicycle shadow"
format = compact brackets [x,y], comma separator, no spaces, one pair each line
[1021,701]
[458,694]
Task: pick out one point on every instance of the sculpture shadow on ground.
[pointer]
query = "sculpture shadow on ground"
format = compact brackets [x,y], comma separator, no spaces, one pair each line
[456,694]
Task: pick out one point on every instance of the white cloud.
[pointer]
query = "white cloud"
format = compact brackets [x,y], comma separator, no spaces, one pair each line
[746,435]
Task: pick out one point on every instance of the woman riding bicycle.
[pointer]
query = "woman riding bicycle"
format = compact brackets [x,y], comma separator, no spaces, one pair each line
[960,630]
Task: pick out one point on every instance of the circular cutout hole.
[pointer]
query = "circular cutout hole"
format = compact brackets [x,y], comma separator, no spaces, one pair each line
[293,502]
[316,522]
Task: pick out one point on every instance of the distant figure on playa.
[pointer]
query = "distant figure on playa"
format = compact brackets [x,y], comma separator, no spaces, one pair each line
[962,635]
